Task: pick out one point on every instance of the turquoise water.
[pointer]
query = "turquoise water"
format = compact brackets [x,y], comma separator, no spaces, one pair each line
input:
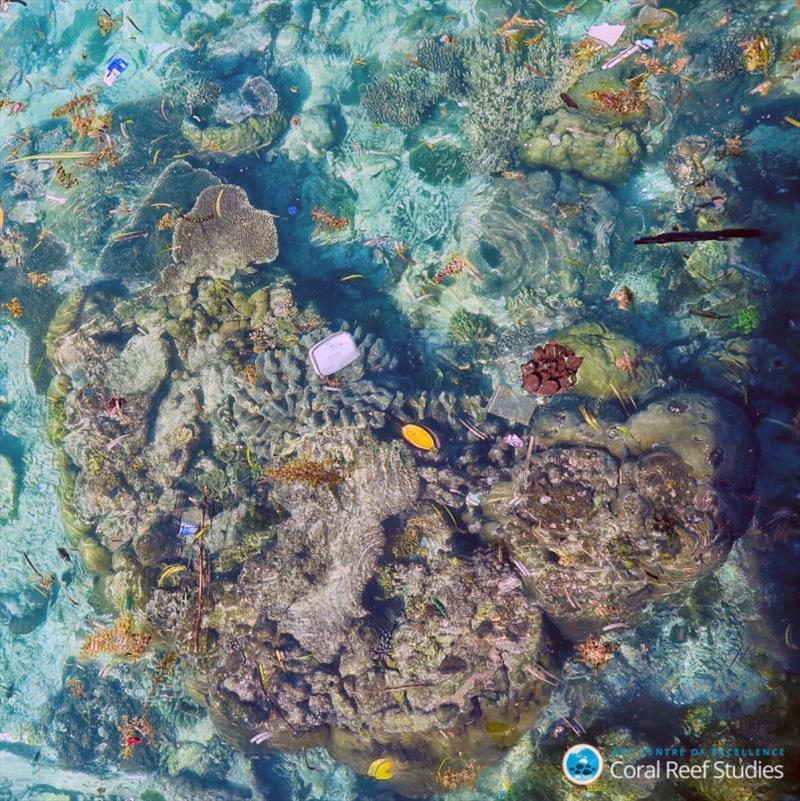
[539,490]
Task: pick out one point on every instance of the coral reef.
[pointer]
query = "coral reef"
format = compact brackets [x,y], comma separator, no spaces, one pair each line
[438,162]
[289,400]
[257,97]
[8,489]
[505,90]
[463,634]
[177,188]
[119,640]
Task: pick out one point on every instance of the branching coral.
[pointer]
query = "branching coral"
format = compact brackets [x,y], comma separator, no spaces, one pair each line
[402,98]
[468,328]
[505,89]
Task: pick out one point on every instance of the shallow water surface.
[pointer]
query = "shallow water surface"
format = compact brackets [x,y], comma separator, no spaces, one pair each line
[397,395]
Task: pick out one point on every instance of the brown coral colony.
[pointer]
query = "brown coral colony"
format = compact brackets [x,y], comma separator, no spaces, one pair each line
[553,368]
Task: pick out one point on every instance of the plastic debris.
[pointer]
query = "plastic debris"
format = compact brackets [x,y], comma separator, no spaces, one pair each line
[511,405]
[639,46]
[190,523]
[114,69]
[607,34]
[333,353]
[419,436]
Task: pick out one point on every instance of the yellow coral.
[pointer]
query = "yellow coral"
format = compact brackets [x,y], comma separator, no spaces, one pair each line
[13,307]
[305,471]
[757,54]
[117,640]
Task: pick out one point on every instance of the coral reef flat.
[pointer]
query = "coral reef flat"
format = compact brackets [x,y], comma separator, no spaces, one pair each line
[399,400]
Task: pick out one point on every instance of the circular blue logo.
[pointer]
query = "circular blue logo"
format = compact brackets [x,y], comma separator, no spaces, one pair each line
[582,764]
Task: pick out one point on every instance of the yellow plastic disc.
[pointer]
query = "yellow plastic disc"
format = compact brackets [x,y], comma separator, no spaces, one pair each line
[381,769]
[419,436]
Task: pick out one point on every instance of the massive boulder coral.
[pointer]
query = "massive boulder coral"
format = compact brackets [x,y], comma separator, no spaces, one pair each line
[566,141]
[629,516]
[253,133]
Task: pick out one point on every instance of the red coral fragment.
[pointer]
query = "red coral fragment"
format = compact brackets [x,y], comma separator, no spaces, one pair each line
[552,369]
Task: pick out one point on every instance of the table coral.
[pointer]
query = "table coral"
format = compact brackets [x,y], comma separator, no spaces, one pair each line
[220,235]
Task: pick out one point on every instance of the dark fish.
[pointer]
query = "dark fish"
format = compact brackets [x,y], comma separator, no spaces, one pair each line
[699,236]
[134,24]
[568,100]
[712,315]
[64,554]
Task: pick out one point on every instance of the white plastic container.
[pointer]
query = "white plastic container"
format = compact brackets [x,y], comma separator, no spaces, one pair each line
[333,353]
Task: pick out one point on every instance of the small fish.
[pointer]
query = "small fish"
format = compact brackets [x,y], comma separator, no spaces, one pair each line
[445,515]
[438,606]
[568,100]
[133,23]
[352,277]
[218,205]
[2,217]
[711,315]
[792,121]
[264,678]
[64,554]
[168,572]
[591,419]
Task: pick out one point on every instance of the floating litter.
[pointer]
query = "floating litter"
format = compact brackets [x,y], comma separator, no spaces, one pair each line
[114,69]
[607,34]
[190,523]
[419,436]
[511,405]
[333,353]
